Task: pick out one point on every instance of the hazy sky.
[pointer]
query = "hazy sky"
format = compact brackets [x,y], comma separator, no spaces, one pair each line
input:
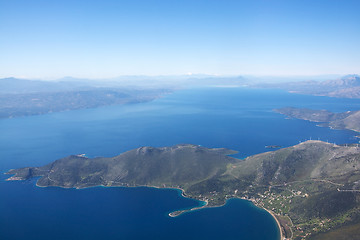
[107,38]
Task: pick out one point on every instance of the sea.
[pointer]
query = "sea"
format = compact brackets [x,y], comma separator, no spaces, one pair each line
[237,118]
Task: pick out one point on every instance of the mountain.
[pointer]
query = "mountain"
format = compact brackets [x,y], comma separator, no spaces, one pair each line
[314,184]
[177,166]
[347,120]
[346,81]
[19,97]
[24,86]
[21,86]
[15,85]
[312,188]
[27,104]
[345,87]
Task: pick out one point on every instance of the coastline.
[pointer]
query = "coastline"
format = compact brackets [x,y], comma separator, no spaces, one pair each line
[180,212]
[177,213]
[282,237]
[280,227]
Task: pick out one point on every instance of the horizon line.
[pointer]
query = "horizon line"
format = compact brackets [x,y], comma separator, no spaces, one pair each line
[200,75]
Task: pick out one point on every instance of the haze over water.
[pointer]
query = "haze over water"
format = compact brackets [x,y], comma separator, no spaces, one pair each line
[235,118]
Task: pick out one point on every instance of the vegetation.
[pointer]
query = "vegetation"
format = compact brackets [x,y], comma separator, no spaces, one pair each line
[312,188]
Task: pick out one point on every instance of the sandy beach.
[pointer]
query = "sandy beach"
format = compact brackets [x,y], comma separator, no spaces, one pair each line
[278,223]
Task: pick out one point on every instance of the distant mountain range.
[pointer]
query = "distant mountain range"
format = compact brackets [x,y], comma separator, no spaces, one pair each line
[19,97]
[27,104]
[15,85]
[345,87]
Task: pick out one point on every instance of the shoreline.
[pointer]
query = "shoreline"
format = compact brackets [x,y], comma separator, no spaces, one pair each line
[177,213]
[180,212]
[282,237]
[280,227]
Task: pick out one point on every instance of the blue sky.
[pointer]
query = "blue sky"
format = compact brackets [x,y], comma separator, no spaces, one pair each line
[109,38]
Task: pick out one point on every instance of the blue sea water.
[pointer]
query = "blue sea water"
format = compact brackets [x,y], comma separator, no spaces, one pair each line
[236,118]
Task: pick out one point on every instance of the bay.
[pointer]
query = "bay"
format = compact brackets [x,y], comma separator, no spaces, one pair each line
[236,118]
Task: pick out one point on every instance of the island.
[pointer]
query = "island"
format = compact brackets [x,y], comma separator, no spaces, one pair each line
[349,120]
[312,189]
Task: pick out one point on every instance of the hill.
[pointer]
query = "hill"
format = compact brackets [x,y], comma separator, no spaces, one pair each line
[312,188]
[178,166]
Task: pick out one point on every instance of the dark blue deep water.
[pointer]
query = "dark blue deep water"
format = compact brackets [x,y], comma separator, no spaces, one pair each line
[236,118]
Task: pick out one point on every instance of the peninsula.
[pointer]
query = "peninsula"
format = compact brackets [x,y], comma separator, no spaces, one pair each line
[312,189]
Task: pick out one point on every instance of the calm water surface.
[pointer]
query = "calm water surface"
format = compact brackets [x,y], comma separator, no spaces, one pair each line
[235,118]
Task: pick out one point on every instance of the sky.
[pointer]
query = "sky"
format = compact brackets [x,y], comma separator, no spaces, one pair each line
[108,38]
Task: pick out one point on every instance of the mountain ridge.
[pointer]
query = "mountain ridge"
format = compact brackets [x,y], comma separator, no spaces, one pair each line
[312,188]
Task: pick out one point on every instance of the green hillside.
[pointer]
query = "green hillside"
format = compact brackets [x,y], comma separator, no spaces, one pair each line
[312,188]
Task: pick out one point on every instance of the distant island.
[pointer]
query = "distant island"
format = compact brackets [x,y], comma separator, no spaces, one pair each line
[312,189]
[347,120]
